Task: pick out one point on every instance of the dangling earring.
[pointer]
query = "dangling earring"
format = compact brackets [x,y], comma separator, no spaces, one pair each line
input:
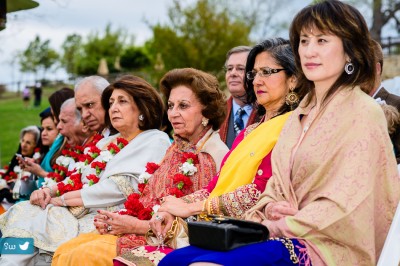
[292,98]
[204,121]
[141,117]
[349,68]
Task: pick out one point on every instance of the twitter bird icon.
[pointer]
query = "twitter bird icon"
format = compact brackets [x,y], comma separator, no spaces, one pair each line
[24,246]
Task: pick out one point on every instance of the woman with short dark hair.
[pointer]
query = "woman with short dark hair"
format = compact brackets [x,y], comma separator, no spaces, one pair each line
[150,103]
[206,89]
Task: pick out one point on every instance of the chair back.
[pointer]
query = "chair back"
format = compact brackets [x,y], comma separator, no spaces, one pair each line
[391,249]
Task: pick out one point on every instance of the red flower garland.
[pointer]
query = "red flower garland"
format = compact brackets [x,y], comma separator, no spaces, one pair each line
[75,179]
[134,207]
[60,171]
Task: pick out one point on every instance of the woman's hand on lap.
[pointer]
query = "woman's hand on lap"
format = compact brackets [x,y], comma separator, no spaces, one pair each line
[175,206]
[277,210]
[161,222]
[40,197]
[113,223]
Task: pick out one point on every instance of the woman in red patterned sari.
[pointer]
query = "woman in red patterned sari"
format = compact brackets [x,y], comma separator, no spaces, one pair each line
[196,109]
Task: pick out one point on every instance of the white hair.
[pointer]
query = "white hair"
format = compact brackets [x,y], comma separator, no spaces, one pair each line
[30,129]
[71,103]
[97,82]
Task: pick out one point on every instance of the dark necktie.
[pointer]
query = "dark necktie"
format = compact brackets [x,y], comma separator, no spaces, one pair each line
[238,124]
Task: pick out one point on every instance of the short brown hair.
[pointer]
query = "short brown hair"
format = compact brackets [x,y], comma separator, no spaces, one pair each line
[392,117]
[206,88]
[146,97]
[237,50]
[347,23]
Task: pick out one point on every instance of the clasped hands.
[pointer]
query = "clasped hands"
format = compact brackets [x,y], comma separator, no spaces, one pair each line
[277,210]
[40,197]
[113,223]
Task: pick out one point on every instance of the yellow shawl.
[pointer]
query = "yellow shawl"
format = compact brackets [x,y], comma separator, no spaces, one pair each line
[241,166]
[344,181]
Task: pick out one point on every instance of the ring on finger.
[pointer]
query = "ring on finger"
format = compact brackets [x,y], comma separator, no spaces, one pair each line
[109,228]
[159,218]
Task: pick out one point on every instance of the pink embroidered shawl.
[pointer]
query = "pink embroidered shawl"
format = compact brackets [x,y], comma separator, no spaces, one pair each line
[344,181]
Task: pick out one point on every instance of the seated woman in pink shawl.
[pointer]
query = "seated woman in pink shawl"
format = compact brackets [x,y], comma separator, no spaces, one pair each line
[334,187]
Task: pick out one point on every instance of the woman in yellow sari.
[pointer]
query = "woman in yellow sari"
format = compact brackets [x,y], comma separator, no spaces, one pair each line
[270,82]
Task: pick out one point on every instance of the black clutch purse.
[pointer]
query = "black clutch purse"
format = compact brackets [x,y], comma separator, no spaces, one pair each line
[224,233]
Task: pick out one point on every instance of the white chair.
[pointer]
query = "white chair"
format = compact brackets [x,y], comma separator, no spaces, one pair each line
[391,249]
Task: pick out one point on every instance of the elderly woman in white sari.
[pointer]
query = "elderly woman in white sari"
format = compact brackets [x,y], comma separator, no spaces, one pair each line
[102,179]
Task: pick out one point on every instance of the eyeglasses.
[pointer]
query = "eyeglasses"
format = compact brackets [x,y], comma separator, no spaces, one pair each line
[230,68]
[263,72]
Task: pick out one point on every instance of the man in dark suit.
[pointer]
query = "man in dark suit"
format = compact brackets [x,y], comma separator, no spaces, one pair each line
[384,95]
[239,113]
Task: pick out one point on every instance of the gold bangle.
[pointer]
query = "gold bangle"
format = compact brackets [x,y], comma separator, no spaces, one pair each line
[216,206]
[204,208]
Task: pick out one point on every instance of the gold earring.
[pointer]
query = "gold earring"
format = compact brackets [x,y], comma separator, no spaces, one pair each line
[292,98]
[204,121]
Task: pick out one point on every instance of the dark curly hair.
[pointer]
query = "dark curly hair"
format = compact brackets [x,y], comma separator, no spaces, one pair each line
[206,88]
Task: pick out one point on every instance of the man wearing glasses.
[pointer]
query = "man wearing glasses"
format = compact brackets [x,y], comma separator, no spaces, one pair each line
[239,113]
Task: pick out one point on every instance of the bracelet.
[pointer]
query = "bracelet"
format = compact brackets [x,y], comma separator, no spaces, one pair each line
[51,190]
[63,201]
[203,215]
[215,205]
[204,208]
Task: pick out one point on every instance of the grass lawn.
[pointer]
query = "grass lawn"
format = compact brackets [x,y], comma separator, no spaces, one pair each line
[14,117]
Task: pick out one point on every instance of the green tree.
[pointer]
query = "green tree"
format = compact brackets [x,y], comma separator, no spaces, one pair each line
[39,56]
[108,46]
[134,58]
[198,36]
[71,48]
